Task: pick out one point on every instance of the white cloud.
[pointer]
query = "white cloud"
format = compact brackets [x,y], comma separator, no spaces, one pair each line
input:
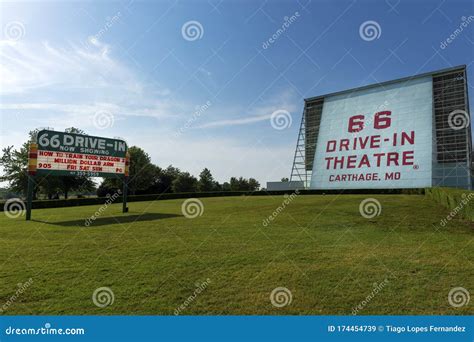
[233,122]
[74,75]
[28,66]
[286,100]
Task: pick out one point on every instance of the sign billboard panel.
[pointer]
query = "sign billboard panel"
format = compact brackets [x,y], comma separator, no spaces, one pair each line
[70,154]
[378,137]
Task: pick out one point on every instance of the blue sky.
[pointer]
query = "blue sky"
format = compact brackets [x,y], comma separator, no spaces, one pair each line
[204,97]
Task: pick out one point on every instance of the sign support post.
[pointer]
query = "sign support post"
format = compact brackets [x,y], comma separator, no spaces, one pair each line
[125,183]
[32,166]
[124,195]
[29,196]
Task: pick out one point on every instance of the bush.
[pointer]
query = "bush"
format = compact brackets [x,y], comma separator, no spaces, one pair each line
[460,202]
[38,204]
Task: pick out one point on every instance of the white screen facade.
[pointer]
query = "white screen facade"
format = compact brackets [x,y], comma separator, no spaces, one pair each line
[380,137]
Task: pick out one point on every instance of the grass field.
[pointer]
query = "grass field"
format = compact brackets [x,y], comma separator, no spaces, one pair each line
[319,247]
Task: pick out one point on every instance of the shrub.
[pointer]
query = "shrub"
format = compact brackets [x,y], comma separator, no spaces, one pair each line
[460,202]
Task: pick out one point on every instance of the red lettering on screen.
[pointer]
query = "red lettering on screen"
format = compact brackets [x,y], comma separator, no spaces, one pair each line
[331,146]
[387,149]
[382,119]
[356,123]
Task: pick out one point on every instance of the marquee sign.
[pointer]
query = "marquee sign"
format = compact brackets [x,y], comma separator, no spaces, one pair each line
[376,138]
[70,154]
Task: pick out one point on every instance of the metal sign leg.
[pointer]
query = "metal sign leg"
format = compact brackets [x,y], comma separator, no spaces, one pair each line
[29,196]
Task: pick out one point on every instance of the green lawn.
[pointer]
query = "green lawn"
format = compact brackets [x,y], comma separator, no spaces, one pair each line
[319,247]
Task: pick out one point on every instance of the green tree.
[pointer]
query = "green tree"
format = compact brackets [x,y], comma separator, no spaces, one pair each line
[217,186]
[240,184]
[185,182]
[168,176]
[141,170]
[206,181]
[253,184]
[15,165]
[141,174]
[243,184]
[226,186]
[162,180]
[156,185]
[234,184]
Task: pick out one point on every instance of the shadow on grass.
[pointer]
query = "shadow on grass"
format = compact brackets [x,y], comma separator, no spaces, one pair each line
[103,221]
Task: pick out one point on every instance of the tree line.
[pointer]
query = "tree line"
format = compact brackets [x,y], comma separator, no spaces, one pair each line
[144,177]
[148,178]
